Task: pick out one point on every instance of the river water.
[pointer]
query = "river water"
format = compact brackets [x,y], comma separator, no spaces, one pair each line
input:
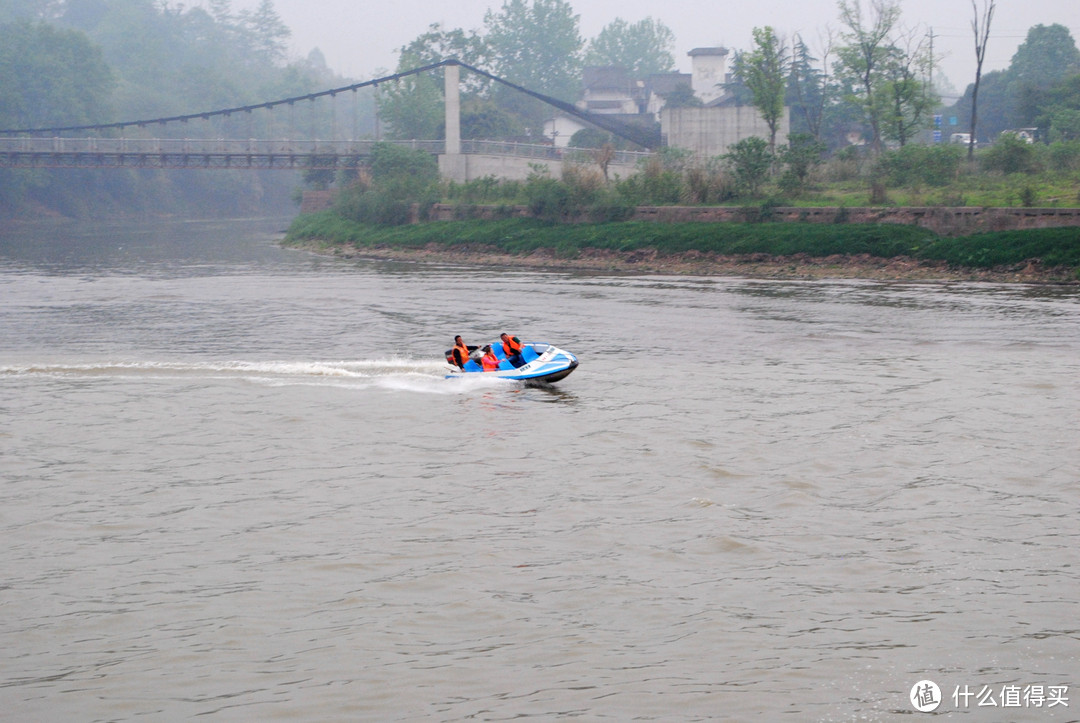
[236,486]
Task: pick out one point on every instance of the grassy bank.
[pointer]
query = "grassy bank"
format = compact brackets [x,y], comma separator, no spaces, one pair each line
[1057,247]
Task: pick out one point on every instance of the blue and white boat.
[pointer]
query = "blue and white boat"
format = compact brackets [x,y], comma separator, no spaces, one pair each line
[541,363]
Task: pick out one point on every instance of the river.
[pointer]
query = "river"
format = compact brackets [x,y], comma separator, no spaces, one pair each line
[236,487]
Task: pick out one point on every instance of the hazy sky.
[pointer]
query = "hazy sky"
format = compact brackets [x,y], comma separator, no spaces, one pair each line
[360,38]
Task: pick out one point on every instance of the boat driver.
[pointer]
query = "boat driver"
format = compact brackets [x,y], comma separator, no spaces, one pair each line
[512,348]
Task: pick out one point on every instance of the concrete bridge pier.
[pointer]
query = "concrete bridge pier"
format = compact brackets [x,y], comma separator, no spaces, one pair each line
[452,164]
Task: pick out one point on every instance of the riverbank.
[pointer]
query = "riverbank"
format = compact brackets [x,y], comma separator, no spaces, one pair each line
[774,251]
[758,266]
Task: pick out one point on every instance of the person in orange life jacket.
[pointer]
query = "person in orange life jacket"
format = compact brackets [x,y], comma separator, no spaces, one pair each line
[512,348]
[489,361]
[460,352]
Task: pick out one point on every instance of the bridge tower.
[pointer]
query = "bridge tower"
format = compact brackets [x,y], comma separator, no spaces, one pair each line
[452,164]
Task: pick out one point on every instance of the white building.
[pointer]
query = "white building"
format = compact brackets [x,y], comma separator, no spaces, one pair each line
[709,72]
[707,131]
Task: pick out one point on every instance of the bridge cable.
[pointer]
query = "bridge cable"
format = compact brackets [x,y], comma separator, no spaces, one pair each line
[635,133]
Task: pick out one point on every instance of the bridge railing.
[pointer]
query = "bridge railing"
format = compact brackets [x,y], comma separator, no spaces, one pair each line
[201,146]
[255,146]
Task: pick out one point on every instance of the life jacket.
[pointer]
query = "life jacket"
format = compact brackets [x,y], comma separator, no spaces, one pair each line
[512,347]
[461,354]
[490,362]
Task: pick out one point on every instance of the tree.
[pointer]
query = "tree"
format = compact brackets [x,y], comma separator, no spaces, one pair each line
[1061,112]
[682,96]
[643,48]
[269,34]
[735,90]
[1047,56]
[589,138]
[866,50]
[481,118]
[412,107]
[808,87]
[51,77]
[535,44]
[400,177]
[980,26]
[907,97]
[439,44]
[764,71]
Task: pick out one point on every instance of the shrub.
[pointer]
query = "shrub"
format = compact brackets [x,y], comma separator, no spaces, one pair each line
[916,164]
[656,183]
[707,184]
[751,161]
[583,182]
[1064,156]
[1009,154]
[800,156]
[845,165]
[589,138]
[400,177]
[548,199]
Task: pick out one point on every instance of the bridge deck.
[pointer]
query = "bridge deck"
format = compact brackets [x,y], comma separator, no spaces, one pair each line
[59,152]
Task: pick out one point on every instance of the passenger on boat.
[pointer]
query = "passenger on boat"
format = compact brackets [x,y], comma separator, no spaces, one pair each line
[512,348]
[489,361]
[460,352]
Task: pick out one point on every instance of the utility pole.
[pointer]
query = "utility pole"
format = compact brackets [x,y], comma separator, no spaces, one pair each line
[931,59]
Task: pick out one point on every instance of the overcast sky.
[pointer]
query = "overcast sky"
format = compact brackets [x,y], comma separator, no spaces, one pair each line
[359,38]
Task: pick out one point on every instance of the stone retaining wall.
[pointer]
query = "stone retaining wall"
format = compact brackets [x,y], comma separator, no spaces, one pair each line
[951,221]
[315,201]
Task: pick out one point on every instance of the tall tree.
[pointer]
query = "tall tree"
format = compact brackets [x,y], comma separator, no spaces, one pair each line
[643,48]
[907,97]
[535,44]
[980,26]
[269,34]
[51,77]
[808,88]
[764,71]
[1047,55]
[413,106]
[867,47]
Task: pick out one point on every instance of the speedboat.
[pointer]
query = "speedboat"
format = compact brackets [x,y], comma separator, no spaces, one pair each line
[540,363]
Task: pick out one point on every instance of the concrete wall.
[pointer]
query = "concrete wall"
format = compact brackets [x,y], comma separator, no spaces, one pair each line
[709,132]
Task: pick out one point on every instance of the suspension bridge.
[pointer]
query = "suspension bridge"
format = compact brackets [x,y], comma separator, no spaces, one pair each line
[283,134]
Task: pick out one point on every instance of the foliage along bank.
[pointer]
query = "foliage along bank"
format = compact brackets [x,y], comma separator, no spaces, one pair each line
[1048,248]
[375,205]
